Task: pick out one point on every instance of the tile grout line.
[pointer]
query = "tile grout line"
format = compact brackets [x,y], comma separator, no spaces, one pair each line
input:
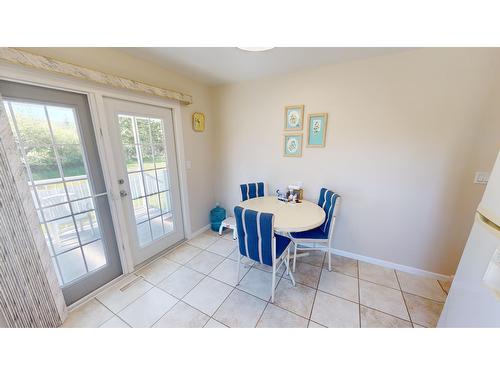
[135,299]
[316,290]
[442,288]
[210,318]
[107,308]
[316,293]
[267,303]
[399,290]
[404,300]
[359,295]
[181,299]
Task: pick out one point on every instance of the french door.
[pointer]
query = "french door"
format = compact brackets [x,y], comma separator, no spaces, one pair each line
[145,157]
[57,145]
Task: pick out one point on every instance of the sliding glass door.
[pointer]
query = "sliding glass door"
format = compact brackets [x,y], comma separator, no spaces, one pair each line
[56,143]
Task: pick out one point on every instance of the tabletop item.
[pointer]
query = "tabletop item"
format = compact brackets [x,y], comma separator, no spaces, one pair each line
[257,241]
[296,189]
[288,217]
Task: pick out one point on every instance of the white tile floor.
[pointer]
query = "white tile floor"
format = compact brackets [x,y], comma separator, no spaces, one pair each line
[194,286]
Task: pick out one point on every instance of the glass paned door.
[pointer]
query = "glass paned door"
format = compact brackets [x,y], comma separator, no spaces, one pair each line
[143,146]
[55,138]
[146,159]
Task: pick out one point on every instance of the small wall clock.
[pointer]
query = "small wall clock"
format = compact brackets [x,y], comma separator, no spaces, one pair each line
[198,122]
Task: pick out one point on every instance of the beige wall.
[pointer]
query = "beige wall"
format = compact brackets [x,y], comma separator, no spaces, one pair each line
[406,133]
[198,146]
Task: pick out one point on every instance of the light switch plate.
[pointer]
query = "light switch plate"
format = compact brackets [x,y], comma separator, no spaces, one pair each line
[188,164]
[481,177]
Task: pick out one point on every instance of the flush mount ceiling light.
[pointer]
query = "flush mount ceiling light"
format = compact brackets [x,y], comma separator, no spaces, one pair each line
[255,49]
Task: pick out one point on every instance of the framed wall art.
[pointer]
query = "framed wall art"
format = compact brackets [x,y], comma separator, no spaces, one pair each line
[294,117]
[316,129]
[292,145]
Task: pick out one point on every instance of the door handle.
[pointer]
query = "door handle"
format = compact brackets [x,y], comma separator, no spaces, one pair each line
[123,193]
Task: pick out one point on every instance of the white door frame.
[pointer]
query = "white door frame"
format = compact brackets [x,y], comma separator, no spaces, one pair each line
[95,94]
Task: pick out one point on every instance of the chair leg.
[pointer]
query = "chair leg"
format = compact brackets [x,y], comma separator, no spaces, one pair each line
[234,234]
[294,256]
[273,282]
[238,271]
[288,268]
[287,263]
[329,259]
[220,229]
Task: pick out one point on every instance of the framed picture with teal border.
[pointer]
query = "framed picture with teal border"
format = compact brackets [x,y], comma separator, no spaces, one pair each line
[294,117]
[316,129]
[292,145]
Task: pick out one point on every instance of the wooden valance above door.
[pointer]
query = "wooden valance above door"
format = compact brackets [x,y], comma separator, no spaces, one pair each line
[16,56]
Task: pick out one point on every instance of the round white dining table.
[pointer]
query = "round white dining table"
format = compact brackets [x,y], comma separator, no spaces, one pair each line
[288,217]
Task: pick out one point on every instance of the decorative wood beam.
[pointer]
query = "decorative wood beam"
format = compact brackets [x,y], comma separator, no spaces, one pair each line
[15,56]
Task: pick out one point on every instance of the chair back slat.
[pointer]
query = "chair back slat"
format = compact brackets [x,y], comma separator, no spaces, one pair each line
[252,190]
[255,234]
[327,200]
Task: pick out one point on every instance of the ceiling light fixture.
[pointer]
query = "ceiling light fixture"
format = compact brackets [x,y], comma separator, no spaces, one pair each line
[255,49]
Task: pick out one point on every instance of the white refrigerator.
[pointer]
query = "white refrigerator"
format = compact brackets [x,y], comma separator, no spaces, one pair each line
[474,297]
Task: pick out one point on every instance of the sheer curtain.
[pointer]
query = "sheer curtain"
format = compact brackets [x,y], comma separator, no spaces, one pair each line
[29,292]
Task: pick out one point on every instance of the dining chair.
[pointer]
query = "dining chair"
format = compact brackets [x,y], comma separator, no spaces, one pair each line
[248,191]
[322,236]
[252,190]
[258,242]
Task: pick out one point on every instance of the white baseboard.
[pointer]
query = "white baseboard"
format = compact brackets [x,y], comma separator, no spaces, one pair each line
[199,231]
[396,266]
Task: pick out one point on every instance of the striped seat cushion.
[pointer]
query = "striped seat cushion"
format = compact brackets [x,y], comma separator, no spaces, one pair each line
[255,235]
[252,190]
[327,199]
[313,234]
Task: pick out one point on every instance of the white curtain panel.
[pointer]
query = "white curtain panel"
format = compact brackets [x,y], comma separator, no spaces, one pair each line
[30,295]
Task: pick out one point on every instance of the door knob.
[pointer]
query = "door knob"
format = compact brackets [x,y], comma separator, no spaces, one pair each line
[123,193]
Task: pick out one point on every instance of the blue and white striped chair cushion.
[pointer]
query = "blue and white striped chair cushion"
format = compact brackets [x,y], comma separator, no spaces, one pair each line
[255,235]
[312,234]
[327,199]
[252,190]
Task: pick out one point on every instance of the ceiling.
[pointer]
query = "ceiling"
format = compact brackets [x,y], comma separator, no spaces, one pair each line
[222,65]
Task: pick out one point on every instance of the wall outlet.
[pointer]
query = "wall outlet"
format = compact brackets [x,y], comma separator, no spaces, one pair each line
[481,177]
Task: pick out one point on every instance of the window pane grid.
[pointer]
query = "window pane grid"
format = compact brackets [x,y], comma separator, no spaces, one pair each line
[36,184]
[45,221]
[144,147]
[61,172]
[139,196]
[77,247]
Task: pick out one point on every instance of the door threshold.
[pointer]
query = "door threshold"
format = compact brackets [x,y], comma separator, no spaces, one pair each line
[91,295]
[162,253]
